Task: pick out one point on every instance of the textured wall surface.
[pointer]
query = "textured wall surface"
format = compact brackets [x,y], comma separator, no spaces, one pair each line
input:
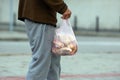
[85,10]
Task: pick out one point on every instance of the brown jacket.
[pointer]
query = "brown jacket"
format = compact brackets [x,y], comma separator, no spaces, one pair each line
[42,11]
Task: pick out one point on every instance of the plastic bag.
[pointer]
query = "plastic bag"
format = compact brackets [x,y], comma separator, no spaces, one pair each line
[64,42]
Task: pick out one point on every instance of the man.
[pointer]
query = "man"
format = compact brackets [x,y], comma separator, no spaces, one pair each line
[40,19]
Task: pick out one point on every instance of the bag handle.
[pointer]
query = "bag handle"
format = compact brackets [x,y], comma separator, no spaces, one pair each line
[65,22]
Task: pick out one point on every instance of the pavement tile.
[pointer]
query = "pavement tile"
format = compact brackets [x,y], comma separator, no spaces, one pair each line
[78,67]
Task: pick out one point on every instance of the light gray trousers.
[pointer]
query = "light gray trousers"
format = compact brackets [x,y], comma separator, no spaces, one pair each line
[44,64]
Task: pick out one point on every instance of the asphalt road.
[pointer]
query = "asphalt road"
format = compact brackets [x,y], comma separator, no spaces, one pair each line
[88,66]
[85,44]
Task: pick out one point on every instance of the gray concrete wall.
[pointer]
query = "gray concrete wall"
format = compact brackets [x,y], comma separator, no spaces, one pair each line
[85,10]
[5,11]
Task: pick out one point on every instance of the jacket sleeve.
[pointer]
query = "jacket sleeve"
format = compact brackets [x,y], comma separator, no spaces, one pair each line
[57,5]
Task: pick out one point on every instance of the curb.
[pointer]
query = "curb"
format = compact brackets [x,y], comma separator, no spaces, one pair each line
[97,34]
[22,36]
[77,76]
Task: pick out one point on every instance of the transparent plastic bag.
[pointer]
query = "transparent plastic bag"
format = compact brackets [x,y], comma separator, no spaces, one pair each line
[64,42]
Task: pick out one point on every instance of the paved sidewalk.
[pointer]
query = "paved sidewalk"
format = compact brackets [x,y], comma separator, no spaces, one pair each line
[82,66]
[86,66]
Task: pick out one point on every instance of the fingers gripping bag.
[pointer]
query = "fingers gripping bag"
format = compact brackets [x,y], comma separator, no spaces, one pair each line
[64,42]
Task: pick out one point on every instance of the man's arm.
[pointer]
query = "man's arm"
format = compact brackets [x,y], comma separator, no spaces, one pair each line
[57,5]
[66,14]
[60,7]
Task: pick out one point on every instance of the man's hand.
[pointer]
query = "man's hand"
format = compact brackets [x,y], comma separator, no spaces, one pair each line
[66,14]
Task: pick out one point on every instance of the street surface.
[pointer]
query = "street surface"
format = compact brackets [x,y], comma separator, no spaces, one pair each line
[79,67]
[86,45]
[98,58]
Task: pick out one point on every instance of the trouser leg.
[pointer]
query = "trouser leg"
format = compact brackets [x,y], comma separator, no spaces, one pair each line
[55,68]
[43,62]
